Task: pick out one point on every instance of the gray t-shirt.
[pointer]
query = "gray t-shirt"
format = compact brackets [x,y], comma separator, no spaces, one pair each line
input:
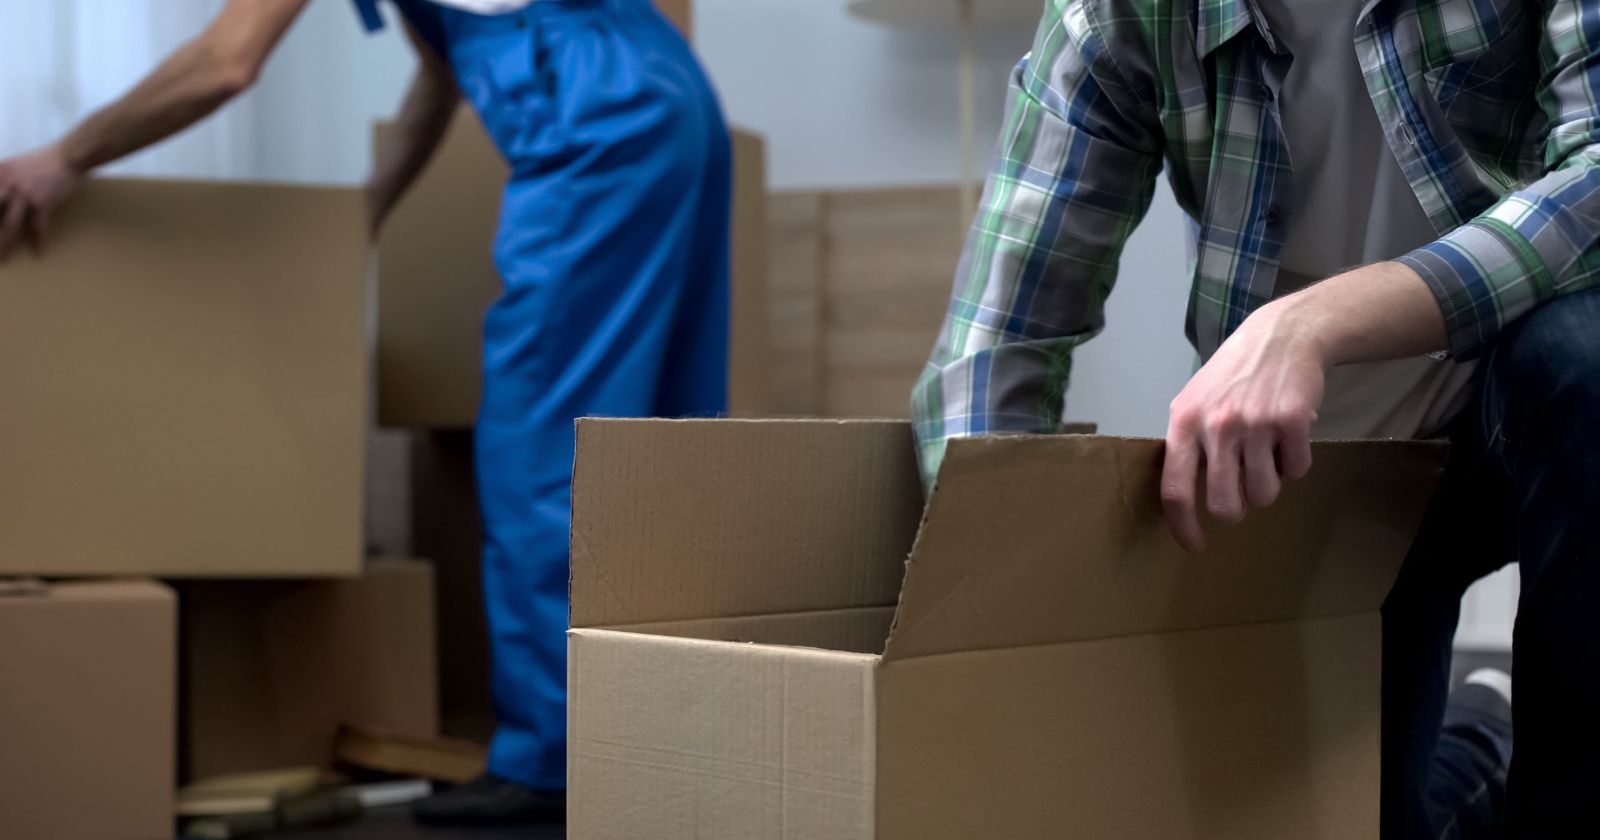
[1351,206]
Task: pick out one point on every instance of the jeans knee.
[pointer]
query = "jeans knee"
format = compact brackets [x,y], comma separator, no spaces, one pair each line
[1548,366]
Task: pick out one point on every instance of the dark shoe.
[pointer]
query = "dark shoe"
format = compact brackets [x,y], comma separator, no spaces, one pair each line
[489,801]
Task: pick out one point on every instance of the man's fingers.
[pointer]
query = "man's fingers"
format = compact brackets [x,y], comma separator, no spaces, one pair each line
[1294,452]
[1224,489]
[1180,470]
[1261,481]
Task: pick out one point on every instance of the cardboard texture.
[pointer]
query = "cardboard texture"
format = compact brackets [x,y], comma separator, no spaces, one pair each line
[437,278]
[87,699]
[1053,659]
[272,669]
[184,380]
[860,280]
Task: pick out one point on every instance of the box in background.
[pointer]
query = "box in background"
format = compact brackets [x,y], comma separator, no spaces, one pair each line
[270,669]
[681,13]
[447,528]
[437,278]
[753,656]
[87,700]
[185,385]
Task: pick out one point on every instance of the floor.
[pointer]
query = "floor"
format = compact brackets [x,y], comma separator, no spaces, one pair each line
[396,824]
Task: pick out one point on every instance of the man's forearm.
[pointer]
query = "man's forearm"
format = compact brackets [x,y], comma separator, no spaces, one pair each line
[188,86]
[429,105]
[1374,313]
[191,83]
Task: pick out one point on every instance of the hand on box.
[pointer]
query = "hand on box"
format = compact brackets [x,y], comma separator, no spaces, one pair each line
[32,187]
[1246,418]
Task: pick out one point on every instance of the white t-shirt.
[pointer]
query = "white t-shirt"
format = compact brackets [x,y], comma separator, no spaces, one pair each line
[1351,205]
[486,7]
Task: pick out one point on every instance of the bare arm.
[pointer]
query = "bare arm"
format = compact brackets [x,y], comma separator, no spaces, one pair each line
[194,81]
[429,104]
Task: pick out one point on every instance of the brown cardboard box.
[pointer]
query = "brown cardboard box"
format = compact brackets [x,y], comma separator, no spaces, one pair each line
[184,378]
[860,280]
[447,528]
[753,656]
[680,12]
[87,699]
[437,277]
[272,668]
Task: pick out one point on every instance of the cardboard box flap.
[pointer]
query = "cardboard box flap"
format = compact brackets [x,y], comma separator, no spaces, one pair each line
[1040,540]
[697,519]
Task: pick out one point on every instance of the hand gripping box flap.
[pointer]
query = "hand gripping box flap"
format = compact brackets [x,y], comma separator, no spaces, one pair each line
[696,520]
[1042,540]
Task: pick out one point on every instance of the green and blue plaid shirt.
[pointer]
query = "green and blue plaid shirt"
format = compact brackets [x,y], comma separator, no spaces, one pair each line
[1489,106]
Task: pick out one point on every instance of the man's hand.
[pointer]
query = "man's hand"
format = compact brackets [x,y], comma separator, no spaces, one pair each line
[32,187]
[195,80]
[1247,415]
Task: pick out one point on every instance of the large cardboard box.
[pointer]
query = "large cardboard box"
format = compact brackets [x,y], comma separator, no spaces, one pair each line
[271,669]
[184,380]
[753,655]
[437,278]
[87,700]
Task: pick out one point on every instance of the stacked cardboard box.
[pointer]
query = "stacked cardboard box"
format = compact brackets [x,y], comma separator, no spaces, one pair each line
[185,380]
[87,682]
[270,670]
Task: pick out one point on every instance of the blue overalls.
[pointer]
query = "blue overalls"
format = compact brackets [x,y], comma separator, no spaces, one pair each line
[613,251]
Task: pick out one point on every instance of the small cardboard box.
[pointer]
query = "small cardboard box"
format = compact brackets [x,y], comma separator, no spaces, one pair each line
[752,655]
[437,278]
[272,668]
[681,13]
[87,701]
[184,378]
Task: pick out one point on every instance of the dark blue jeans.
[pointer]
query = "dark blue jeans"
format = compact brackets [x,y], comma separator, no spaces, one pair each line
[1523,485]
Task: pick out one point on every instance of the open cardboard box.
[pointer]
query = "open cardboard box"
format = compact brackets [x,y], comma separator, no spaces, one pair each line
[752,655]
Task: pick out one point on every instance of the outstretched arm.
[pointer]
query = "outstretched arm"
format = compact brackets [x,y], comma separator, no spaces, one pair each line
[194,81]
[430,103]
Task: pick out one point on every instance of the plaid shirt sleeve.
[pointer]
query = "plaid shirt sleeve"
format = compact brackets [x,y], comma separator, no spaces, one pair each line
[1539,242]
[1076,169]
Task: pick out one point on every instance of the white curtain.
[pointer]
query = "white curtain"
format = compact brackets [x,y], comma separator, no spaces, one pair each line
[64,58]
[308,119]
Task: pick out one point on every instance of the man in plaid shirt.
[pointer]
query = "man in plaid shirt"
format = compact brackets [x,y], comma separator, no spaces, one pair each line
[1450,150]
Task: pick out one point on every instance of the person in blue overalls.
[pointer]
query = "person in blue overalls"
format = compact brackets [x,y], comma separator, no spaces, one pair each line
[613,250]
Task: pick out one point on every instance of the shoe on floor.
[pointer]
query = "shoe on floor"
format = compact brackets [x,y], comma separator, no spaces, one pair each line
[489,801]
